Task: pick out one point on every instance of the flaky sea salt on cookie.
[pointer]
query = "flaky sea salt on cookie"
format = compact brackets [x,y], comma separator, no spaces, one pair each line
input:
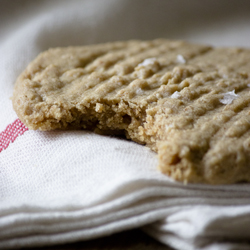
[188,102]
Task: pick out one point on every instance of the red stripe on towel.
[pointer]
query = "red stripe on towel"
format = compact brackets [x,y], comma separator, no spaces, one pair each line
[11,132]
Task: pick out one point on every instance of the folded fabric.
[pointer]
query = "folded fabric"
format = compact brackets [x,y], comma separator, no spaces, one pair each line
[64,186]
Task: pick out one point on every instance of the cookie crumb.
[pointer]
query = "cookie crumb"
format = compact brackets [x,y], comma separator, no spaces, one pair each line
[99,107]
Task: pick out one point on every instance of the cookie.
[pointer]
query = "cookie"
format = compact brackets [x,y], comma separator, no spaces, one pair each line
[188,102]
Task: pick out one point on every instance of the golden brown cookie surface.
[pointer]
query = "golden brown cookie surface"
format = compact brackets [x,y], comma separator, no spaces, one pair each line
[188,102]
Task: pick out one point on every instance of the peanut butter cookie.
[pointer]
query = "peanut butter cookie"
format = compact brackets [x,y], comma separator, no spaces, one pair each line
[188,102]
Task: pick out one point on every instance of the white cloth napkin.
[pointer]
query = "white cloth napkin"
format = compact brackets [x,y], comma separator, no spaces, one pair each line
[63,186]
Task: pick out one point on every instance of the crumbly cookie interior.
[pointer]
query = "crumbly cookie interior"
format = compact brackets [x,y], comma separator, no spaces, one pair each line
[188,102]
